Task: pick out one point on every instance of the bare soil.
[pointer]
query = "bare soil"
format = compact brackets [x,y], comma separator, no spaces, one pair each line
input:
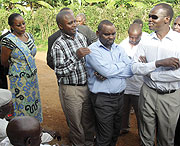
[53,115]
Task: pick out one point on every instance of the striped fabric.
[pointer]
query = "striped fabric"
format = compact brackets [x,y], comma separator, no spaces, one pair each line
[68,68]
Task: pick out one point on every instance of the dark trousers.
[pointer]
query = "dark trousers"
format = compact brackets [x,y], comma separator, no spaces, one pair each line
[108,114]
[3,78]
[177,134]
[129,100]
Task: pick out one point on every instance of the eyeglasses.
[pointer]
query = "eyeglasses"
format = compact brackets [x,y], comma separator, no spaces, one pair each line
[155,17]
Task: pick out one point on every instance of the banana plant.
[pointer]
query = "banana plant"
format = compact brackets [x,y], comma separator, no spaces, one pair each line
[94,1]
[23,4]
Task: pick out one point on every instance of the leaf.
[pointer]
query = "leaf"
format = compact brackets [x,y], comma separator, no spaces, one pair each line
[79,1]
[110,4]
[21,8]
[42,3]
[137,4]
[14,1]
[94,1]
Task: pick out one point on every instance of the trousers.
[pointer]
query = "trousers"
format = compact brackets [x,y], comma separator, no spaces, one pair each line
[108,114]
[158,116]
[77,109]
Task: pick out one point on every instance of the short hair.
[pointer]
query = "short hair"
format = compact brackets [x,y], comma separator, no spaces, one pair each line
[81,15]
[60,16]
[104,22]
[138,21]
[12,17]
[167,8]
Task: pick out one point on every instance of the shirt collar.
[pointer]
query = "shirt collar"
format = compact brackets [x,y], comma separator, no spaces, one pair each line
[101,45]
[169,35]
[66,36]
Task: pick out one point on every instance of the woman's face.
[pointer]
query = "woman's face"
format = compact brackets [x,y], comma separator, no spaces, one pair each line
[19,25]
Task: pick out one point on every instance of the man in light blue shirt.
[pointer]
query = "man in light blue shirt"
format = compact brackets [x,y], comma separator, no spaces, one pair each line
[108,66]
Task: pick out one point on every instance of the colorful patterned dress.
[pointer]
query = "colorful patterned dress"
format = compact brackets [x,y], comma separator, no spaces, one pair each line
[23,76]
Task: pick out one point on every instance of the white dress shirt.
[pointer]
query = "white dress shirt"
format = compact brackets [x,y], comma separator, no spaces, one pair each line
[133,84]
[6,142]
[163,78]
[3,125]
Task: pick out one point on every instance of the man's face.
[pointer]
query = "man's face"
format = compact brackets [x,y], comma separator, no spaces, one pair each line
[68,25]
[6,109]
[134,37]
[79,20]
[176,25]
[157,19]
[107,35]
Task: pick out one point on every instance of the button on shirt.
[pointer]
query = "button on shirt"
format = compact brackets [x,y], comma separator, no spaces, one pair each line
[163,78]
[68,68]
[113,64]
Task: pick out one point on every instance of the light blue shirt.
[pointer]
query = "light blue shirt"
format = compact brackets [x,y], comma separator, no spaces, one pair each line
[113,64]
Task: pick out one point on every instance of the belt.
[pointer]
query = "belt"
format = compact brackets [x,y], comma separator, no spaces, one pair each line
[76,84]
[110,94]
[163,92]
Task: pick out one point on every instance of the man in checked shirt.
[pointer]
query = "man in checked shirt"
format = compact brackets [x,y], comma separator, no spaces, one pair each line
[68,53]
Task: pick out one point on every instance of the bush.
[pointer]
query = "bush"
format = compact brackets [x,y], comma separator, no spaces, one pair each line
[42,23]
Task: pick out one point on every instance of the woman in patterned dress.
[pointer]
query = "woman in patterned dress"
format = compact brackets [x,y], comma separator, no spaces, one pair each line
[18,51]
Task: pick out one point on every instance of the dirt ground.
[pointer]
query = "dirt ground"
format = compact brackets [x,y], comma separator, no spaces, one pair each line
[52,112]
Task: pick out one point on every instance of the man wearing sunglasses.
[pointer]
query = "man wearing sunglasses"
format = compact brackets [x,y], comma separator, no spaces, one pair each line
[159,102]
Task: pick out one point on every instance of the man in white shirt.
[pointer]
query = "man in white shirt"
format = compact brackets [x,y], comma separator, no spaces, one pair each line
[176,27]
[133,84]
[159,102]
[24,131]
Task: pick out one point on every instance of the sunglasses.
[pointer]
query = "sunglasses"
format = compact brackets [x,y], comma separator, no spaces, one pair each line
[155,17]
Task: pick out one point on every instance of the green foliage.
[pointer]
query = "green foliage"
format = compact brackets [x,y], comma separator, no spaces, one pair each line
[42,22]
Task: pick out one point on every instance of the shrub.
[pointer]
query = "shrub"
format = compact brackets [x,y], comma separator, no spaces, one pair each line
[42,23]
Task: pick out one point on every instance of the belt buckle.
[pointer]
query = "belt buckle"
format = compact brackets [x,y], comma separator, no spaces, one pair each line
[160,91]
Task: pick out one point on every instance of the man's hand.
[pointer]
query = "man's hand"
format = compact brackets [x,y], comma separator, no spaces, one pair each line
[142,59]
[168,62]
[54,134]
[81,52]
[99,77]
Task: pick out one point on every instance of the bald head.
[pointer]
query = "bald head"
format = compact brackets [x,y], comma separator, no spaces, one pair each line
[135,32]
[60,14]
[176,24]
[135,28]
[138,21]
[22,130]
[81,19]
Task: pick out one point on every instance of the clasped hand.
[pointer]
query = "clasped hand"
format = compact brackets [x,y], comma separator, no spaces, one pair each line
[81,52]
